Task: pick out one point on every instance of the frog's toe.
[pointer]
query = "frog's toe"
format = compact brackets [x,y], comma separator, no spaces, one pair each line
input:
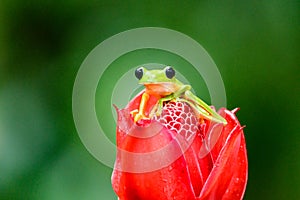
[139,116]
[158,112]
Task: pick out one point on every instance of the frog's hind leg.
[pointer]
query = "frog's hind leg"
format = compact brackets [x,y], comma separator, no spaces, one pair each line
[158,108]
[197,109]
[202,108]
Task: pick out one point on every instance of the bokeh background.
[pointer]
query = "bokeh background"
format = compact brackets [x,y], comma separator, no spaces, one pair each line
[255,45]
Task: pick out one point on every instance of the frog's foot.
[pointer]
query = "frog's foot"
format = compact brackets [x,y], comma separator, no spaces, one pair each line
[201,120]
[137,115]
[159,110]
[153,111]
[159,107]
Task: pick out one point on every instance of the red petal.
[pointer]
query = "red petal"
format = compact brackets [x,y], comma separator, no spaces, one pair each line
[149,163]
[228,177]
[237,186]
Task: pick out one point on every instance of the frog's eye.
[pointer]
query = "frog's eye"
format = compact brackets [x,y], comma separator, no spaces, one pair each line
[170,72]
[139,73]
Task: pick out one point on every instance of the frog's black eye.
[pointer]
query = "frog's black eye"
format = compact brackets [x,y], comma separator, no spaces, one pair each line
[139,73]
[170,72]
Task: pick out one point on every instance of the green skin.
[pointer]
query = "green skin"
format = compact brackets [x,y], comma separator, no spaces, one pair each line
[157,83]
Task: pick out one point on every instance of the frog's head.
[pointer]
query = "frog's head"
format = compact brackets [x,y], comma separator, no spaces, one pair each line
[159,82]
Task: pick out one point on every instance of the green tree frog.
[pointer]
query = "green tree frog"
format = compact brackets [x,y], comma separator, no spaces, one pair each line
[164,84]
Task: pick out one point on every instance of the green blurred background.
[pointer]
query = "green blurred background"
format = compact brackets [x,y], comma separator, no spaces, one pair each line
[42,45]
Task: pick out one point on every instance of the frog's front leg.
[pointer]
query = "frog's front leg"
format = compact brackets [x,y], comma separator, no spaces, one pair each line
[170,97]
[140,113]
[158,108]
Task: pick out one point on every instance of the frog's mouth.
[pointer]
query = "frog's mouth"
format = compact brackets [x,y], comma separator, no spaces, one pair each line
[162,89]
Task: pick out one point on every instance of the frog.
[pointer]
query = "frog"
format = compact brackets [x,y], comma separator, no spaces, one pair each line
[163,84]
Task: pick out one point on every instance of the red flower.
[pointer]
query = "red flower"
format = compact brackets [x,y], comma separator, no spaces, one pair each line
[175,157]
